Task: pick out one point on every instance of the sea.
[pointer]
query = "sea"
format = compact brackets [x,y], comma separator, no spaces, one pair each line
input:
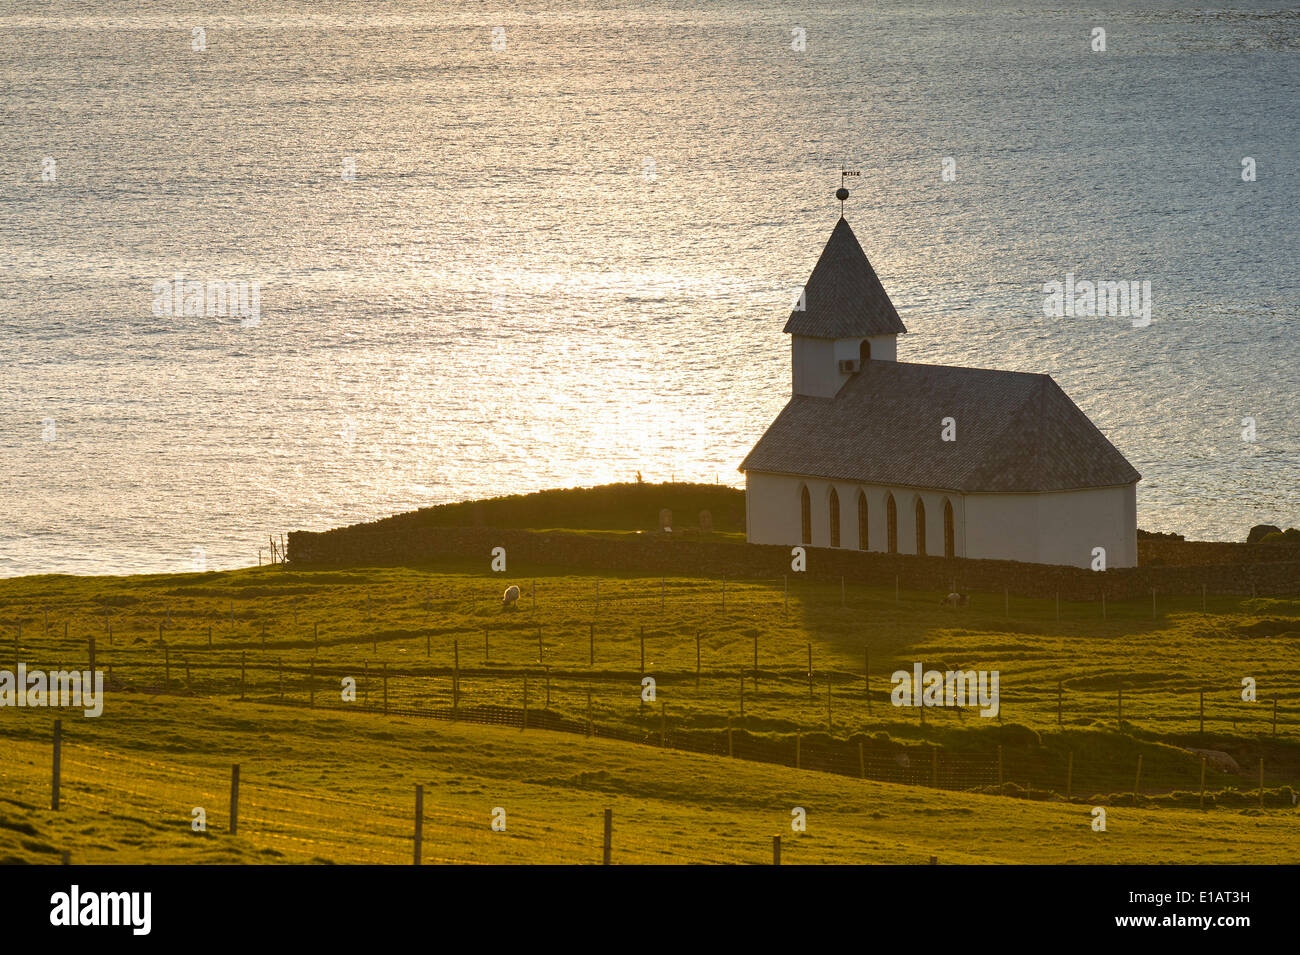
[453,250]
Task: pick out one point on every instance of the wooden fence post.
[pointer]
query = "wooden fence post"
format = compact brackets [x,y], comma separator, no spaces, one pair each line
[591,646]
[697,659]
[776,850]
[866,676]
[1137,781]
[419,821]
[609,836]
[999,767]
[234,799]
[56,765]
[810,672]
[663,725]
[1202,805]
[1275,716]
[1069,774]
[92,670]
[311,683]
[241,673]
[455,676]
[315,635]
[1261,782]
[167,669]
[1202,711]
[110,636]
[541,651]
[428,645]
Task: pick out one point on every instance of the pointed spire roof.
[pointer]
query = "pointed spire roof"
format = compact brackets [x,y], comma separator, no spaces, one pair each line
[843,298]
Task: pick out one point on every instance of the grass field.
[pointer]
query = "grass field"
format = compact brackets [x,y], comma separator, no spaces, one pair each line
[339,787]
[418,640]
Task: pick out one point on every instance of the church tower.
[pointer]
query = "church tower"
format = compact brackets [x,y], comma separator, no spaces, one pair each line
[842,320]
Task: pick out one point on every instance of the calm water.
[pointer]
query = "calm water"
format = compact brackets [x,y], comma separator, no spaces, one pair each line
[571,259]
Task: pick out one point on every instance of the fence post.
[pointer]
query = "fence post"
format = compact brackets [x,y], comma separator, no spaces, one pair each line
[591,645]
[609,834]
[242,654]
[1202,805]
[1137,781]
[315,636]
[1202,711]
[1275,716]
[541,651]
[663,725]
[866,676]
[311,683]
[92,670]
[697,660]
[167,669]
[776,850]
[810,672]
[56,765]
[234,799]
[999,767]
[1261,782]
[455,676]
[534,594]
[419,821]
[1069,774]
[110,636]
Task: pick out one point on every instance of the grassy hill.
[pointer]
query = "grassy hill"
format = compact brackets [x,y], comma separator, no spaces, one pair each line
[425,638]
[335,787]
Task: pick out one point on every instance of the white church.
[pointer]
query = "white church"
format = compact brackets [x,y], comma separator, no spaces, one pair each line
[872,453]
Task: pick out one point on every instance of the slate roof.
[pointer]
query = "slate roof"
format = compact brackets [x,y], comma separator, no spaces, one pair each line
[843,298]
[1016,432]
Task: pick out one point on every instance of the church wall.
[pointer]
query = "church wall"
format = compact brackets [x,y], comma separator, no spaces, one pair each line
[774,515]
[1054,528]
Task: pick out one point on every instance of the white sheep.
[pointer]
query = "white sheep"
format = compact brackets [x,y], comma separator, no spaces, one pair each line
[956,600]
[510,598]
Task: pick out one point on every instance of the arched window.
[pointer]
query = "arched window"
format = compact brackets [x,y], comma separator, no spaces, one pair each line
[864,351]
[949,538]
[891,524]
[805,514]
[920,526]
[862,521]
[835,518]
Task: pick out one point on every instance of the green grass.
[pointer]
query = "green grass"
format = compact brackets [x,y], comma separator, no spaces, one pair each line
[422,619]
[338,787]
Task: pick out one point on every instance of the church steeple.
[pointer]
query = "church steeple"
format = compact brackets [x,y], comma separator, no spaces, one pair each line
[843,318]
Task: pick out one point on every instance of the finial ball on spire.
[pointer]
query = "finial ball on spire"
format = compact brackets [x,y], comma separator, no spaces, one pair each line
[841,193]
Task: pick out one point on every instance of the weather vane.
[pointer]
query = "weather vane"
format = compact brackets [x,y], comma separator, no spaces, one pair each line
[841,193]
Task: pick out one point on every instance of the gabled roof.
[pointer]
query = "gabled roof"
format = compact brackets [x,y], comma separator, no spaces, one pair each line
[843,298]
[1016,432]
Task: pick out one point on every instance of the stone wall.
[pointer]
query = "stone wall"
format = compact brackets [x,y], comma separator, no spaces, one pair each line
[661,554]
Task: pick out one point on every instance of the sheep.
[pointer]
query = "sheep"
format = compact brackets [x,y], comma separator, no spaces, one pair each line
[510,600]
[955,600]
